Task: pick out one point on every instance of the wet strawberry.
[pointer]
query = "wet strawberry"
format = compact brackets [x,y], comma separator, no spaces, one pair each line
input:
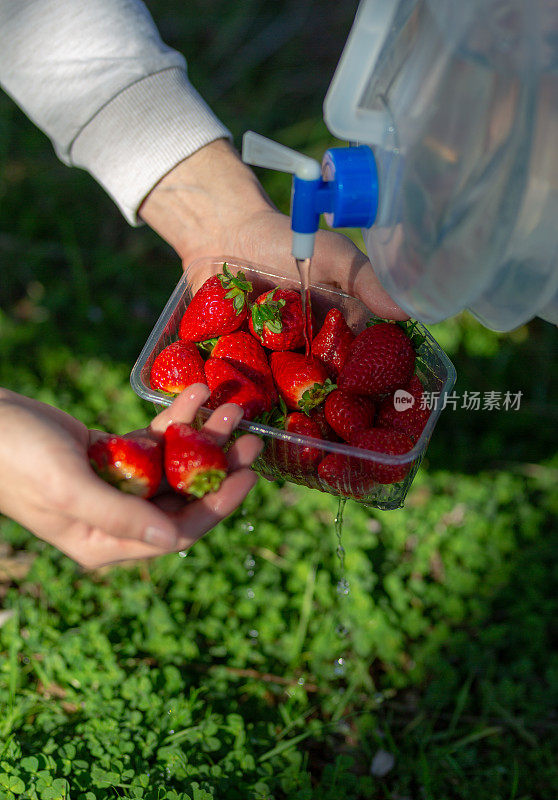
[332,343]
[277,320]
[381,359]
[326,431]
[177,366]
[409,419]
[132,464]
[384,440]
[228,385]
[194,462]
[245,353]
[302,382]
[218,307]
[348,413]
[297,457]
[345,475]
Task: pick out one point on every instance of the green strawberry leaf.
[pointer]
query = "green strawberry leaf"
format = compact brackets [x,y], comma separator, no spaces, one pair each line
[275,418]
[238,287]
[268,313]
[315,396]
[208,345]
[410,328]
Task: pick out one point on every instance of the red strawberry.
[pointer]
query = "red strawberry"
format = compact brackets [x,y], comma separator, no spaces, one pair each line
[219,306]
[345,475]
[333,342]
[348,413]
[277,319]
[302,382]
[133,465]
[228,385]
[296,457]
[326,432]
[410,420]
[380,360]
[384,440]
[248,356]
[177,366]
[194,462]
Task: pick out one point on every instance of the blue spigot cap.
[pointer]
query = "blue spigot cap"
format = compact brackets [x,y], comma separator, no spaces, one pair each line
[353,176]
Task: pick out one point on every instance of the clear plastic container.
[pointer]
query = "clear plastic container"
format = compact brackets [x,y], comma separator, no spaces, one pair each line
[285,454]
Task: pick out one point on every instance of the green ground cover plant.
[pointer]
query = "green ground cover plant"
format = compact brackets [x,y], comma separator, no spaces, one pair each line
[237,670]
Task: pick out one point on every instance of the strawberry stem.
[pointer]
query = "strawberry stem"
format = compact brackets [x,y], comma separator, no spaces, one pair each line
[208,345]
[315,396]
[207,481]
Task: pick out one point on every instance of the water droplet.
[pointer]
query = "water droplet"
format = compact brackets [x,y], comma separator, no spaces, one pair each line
[339,666]
[301,681]
[246,527]
[374,525]
[343,587]
[382,763]
[172,730]
[183,553]
[249,562]
[253,633]
[250,573]
[250,594]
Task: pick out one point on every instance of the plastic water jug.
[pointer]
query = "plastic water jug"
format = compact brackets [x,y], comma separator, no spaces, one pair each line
[458,104]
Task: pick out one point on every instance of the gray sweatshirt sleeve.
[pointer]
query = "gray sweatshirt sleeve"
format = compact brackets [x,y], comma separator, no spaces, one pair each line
[96,77]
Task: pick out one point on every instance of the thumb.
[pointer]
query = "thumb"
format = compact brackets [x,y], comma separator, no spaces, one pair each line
[118,514]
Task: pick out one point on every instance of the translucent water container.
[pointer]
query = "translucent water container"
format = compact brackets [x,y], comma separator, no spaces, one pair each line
[459,103]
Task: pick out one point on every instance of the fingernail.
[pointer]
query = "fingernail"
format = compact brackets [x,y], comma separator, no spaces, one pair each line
[159,537]
[234,415]
[197,390]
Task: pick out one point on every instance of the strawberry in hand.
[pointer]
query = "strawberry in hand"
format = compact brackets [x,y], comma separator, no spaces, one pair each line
[219,306]
[277,320]
[132,464]
[177,366]
[302,382]
[194,462]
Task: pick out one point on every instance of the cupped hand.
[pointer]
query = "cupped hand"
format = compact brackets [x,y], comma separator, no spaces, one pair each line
[48,486]
[211,204]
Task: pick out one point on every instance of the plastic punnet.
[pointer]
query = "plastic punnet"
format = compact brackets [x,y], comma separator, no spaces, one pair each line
[435,370]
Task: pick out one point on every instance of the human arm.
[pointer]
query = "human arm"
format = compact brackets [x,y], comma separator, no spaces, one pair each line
[114,99]
[48,486]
